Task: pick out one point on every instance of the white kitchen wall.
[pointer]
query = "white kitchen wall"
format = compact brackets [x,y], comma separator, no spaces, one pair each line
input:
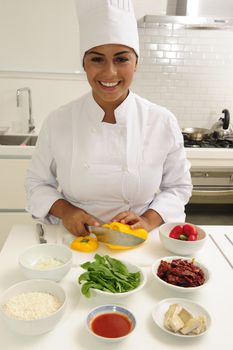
[49,91]
[40,36]
[189,71]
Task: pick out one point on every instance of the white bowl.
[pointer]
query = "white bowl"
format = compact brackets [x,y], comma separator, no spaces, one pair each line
[28,261]
[110,309]
[178,246]
[35,326]
[131,268]
[173,287]
[158,314]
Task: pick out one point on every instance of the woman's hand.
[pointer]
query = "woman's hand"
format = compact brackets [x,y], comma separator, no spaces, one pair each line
[149,220]
[74,219]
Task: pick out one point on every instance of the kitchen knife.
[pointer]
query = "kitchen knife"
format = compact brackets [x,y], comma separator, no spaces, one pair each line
[40,232]
[107,235]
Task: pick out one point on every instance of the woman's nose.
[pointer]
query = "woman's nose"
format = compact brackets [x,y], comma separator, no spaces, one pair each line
[110,68]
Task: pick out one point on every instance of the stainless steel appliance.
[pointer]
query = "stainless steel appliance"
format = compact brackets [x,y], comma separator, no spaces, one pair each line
[196,14]
[208,142]
[211,184]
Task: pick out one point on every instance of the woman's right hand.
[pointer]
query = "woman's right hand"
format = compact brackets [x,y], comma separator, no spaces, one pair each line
[74,219]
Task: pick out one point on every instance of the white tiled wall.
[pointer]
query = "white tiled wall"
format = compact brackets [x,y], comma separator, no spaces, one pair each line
[190,71]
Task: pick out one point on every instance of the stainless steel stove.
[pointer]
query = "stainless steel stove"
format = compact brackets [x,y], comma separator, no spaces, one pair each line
[212,181]
[208,143]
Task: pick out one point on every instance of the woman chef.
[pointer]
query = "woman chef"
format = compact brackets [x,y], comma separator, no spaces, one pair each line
[109,154]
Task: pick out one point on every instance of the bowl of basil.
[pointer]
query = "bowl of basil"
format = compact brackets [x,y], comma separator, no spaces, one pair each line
[111,277]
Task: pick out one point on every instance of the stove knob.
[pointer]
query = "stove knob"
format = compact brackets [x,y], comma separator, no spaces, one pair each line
[206,174]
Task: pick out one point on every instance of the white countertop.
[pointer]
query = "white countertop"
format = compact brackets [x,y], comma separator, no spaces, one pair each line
[197,156]
[210,156]
[16,151]
[71,333]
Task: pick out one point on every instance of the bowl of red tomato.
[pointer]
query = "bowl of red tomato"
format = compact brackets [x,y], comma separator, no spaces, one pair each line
[182,238]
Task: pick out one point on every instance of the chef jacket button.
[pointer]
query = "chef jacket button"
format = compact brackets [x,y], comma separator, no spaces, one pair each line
[126,201]
[125,169]
[86,166]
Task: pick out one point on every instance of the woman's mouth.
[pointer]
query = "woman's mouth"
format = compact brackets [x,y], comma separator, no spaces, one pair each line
[109,85]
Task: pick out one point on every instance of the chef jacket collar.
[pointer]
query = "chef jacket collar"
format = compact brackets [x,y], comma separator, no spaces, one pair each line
[96,113]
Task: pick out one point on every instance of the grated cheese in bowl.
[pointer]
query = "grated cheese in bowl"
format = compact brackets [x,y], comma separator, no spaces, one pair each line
[47,263]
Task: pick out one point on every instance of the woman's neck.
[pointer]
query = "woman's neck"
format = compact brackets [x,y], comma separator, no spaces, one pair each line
[109,116]
[109,108]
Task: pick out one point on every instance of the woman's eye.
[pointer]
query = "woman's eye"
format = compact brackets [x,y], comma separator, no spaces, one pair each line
[122,59]
[97,59]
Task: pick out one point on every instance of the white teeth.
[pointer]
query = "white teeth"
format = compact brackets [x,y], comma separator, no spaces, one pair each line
[108,84]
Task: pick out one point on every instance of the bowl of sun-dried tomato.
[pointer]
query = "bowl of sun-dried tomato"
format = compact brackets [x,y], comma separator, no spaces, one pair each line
[180,274]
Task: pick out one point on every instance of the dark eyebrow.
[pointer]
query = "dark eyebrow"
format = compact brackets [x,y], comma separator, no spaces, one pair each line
[121,53]
[101,54]
[95,53]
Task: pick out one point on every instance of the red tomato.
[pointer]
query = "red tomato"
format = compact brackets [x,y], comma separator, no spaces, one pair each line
[189,230]
[176,232]
[192,237]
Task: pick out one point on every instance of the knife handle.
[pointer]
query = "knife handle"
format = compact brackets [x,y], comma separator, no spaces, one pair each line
[87,228]
[40,230]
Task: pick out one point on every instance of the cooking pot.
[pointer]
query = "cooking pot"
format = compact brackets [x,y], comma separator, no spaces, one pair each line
[195,134]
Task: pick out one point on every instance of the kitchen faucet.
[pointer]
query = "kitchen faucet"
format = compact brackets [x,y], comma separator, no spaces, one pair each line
[31,125]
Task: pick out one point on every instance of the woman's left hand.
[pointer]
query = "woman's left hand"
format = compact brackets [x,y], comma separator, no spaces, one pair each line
[132,219]
[149,220]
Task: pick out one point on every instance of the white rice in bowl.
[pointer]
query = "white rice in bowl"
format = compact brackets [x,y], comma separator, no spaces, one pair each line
[31,306]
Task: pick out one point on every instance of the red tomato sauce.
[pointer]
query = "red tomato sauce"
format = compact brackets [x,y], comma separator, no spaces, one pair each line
[111,325]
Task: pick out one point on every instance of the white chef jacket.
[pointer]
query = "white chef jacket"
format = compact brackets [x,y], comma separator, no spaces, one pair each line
[139,163]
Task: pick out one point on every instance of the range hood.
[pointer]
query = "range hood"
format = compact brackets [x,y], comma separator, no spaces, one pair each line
[198,14]
[200,8]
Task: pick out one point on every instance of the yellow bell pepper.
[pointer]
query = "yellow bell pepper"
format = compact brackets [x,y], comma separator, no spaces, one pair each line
[84,244]
[118,226]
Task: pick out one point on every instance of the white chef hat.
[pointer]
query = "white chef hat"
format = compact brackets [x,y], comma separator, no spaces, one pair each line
[106,22]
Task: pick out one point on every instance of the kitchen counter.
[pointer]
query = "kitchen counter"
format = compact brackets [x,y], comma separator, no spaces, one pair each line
[197,156]
[24,152]
[211,157]
[71,333]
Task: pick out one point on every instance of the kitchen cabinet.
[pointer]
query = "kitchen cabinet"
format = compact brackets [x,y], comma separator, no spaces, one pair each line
[12,195]
[12,176]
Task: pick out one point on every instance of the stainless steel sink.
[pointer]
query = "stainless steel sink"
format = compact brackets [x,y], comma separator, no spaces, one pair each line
[18,140]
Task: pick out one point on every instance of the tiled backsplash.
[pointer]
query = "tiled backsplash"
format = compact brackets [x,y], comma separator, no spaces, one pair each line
[189,71]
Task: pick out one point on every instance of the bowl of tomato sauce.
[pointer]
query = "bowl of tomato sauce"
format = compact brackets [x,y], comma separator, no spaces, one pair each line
[110,323]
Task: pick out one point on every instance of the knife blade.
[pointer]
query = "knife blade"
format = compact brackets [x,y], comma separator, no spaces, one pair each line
[107,235]
[40,232]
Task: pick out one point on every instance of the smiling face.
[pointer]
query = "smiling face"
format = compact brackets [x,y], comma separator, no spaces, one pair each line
[110,69]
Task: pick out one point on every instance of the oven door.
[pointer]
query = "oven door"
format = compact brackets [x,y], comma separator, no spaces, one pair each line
[212,186]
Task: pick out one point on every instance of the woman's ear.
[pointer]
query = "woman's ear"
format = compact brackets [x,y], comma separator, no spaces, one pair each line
[136,63]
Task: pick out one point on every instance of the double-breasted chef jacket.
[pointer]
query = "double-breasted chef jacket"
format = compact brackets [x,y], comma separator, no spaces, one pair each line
[136,164]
